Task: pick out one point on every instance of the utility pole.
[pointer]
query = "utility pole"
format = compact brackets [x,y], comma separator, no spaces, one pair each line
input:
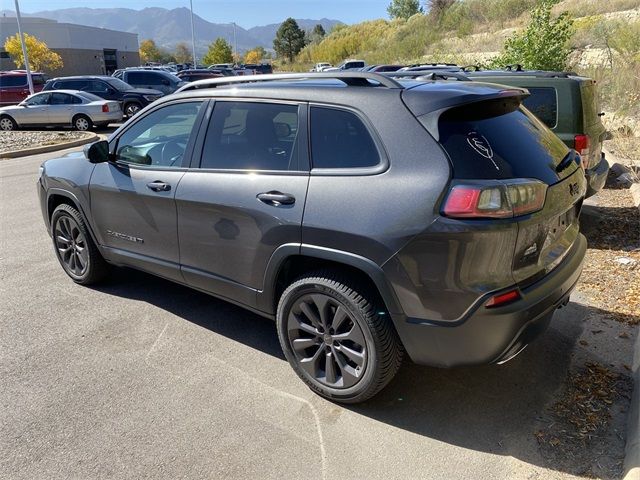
[193,37]
[24,49]
[235,42]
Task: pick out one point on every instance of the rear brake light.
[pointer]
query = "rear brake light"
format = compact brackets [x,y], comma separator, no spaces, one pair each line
[105,108]
[503,298]
[495,198]
[581,145]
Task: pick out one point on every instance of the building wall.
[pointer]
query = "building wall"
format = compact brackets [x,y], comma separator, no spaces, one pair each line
[81,47]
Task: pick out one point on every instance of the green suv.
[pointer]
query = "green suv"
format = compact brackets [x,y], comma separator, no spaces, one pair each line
[567,104]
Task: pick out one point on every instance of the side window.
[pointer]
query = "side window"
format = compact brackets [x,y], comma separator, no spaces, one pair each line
[339,139]
[42,99]
[97,86]
[60,99]
[160,138]
[252,136]
[143,78]
[543,103]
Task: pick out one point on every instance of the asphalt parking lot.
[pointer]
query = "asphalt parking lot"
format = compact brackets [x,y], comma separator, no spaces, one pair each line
[142,378]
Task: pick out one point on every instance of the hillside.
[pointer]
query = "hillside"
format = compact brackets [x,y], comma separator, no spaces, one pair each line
[168,27]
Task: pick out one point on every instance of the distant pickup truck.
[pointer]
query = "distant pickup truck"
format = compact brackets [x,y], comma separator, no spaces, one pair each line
[319,67]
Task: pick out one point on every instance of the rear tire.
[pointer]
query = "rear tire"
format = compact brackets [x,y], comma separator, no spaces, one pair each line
[82,123]
[7,123]
[336,338]
[130,109]
[75,249]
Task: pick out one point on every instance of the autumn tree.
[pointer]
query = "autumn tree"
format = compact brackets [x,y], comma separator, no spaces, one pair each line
[149,51]
[404,8]
[41,57]
[219,52]
[255,55]
[183,53]
[289,39]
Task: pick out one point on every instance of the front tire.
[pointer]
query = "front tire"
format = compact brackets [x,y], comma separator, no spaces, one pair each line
[7,123]
[336,339]
[131,109]
[76,252]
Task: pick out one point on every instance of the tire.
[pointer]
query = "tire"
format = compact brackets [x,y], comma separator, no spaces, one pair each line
[82,123]
[7,123]
[130,109]
[75,249]
[354,360]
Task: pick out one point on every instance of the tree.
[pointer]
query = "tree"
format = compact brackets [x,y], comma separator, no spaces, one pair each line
[438,7]
[183,53]
[544,45]
[149,51]
[404,8]
[318,31]
[255,55]
[219,52]
[289,39]
[40,56]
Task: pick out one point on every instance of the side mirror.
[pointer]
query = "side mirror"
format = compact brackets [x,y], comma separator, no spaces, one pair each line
[97,152]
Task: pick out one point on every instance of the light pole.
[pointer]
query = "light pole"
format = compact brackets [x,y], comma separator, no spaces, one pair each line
[193,36]
[235,43]
[24,50]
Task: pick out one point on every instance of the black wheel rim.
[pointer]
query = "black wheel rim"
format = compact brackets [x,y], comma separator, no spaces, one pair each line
[71,245]
[327,342]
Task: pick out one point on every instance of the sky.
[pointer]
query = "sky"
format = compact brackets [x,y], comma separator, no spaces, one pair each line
[246,13]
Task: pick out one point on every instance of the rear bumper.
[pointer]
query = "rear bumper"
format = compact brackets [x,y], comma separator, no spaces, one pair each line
[597,176]
[493,335]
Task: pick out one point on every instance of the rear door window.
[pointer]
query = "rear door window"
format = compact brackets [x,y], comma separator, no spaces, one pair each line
[485,141]
[252,136]
[13,80]
[543,103]
[339,139]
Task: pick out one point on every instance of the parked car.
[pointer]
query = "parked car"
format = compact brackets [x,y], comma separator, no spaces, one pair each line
[73,108]
[14,86]
[200,74]
[449,67]
[154,79]
[385,68]
[321,66]
[347,65]
[440,218]
[568,105]
[131,99]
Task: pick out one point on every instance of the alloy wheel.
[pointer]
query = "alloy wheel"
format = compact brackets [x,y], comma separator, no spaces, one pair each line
[6,124]
[132,109]
[327,342]
[71,245]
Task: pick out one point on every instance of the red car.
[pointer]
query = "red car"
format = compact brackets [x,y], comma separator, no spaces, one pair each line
[14,87]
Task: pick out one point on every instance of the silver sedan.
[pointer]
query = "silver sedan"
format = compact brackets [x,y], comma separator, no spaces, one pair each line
[80,110]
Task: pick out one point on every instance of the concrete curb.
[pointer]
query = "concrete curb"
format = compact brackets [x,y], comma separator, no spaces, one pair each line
[632,452]
[49,148]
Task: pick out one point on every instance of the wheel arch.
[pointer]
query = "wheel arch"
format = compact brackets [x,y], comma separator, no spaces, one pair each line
[10,117]
[290,261]
[57,197]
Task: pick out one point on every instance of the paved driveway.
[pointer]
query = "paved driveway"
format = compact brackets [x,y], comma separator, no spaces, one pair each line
[142,378]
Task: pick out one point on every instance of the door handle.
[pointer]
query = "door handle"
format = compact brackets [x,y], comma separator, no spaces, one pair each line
[276,198]
[158,186]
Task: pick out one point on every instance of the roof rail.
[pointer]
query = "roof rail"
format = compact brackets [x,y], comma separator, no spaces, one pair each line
[428,75]
[352,79]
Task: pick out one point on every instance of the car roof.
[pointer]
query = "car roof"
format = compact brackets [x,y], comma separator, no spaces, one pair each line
[84,77]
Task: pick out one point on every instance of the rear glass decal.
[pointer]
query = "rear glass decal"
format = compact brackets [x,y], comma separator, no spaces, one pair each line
[481,145]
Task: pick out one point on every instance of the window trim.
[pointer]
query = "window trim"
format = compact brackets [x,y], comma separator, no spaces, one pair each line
[303,138]
[381,167]
[189,150]
[555,90]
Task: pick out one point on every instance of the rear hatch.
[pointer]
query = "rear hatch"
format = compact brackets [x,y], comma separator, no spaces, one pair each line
[592,125]
[500,147]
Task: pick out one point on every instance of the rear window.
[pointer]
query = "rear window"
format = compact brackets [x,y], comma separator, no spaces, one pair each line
[492,140]
[543,103]
[339,139]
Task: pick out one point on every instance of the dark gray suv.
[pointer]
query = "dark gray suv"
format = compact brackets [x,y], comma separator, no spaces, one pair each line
[369,217]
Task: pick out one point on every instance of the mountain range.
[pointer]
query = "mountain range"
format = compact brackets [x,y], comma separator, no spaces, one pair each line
[168,27]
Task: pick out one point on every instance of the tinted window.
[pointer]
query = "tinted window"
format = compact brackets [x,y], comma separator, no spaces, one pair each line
[339,139]
[486,142]
[147,78]
[252,136]
[159,138]
[13,80]
[38,79]
[543,103]
[119,84]
[90,96]
[61,99]
[97,86]
[71,84]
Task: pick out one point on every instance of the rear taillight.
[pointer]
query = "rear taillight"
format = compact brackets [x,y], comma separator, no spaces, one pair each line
[581,145]
[495,198]
[105,108]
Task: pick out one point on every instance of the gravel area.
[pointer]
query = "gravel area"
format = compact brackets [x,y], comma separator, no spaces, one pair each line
[10,141]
